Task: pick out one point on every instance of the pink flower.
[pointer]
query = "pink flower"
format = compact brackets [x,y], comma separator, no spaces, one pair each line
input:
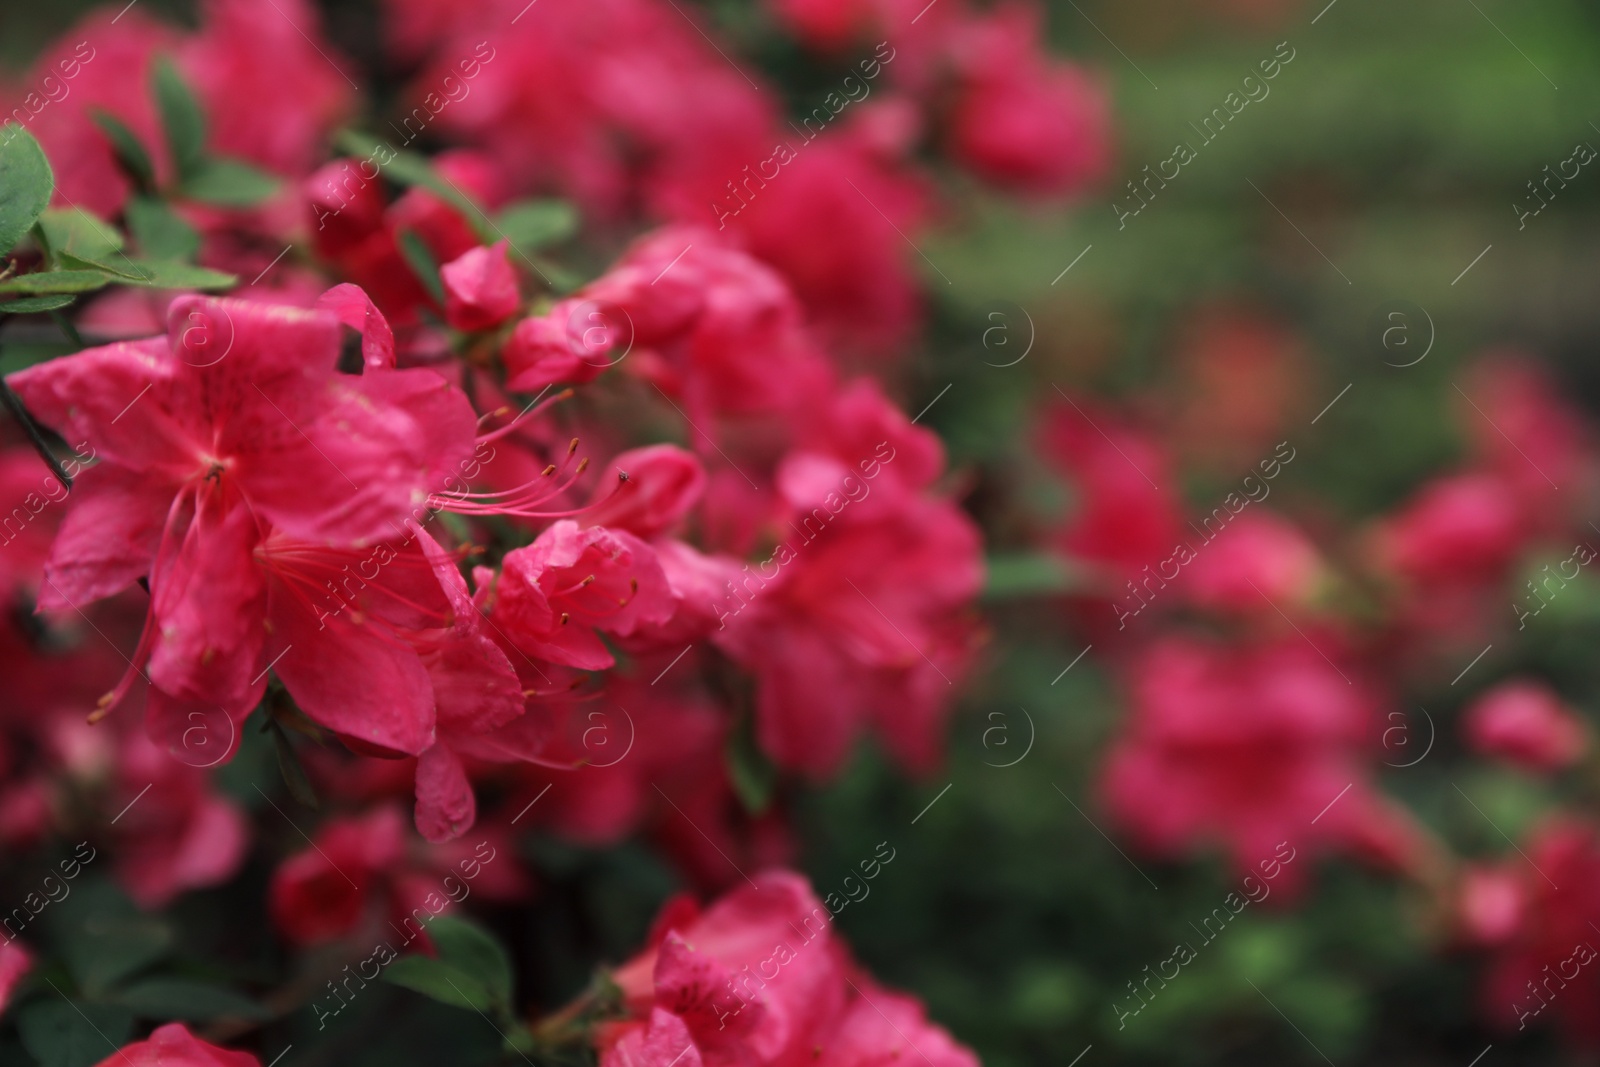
[480,288]
[1126,515]
[323,892]
[1259,564]
[1020,120]
[15,963]
[759,979]
[272,87]
[638,734]
[553,598]
[691,309]
[834,222]
[663,483]
[868,613]
[1458,528]
[1524,430]
[827,25]
[572,343]
[234,423]
[1244,747]
[108,59]
[361,872]
[385,647]
[1492,904]
[173,1045]
[1550,945]
[174,831]
[880,1027]
[1527,724]
[863,448]
[589,100]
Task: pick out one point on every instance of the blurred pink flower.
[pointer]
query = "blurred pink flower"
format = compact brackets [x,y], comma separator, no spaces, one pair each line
[1527,724]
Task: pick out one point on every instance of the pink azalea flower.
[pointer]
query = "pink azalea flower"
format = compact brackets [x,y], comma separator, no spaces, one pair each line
[868,613]
[480,288]
[110,59]
[1533,963]
[553,598]
[1244,747]
[687,310]
[1259,564]
[273,88]
[173,1045]
[1022,120]
[1126,514]
[174,832]
[759,978]
[1459,528]
[664,483]
[1527,724]
[233,426]
[362,872]
[15,963]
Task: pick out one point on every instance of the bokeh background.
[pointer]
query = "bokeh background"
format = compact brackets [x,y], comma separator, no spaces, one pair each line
[1252,290]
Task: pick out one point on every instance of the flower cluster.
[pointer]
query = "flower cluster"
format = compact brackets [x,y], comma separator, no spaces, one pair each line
[456,522]
[1270,665]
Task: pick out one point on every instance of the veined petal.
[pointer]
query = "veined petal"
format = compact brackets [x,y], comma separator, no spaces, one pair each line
[120,399]
[365,460]
[446,807]
[207,605]
[108,539]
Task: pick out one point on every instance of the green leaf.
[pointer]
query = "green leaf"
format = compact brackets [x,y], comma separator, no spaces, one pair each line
[442,981]
[31,304]
[16,355]
[125,143]
[56,281]
[474,951]
[105,938]
[167,274]
[421,262]
[1030,575]
[61,1033]
[181,118]
[753,775]
[126,272]
[294,775]
[228,183]
[159,231]
[25,184]
[182,998]
[531,224]
[79,232]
